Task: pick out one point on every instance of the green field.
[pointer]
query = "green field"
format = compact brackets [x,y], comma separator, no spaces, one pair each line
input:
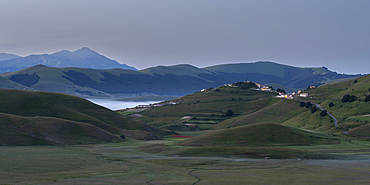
[123,163]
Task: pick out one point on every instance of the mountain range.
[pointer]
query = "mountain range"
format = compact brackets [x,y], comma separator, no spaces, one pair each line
[82,58]
[175,80]
[86,73]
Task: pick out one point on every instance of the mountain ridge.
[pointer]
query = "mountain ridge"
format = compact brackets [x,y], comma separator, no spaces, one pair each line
[6,56]
[177,80]
[82,58]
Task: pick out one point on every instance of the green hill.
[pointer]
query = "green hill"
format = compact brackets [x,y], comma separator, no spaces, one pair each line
[279,112]
[349,114]
[363,131]
[19,130]
[260,134]
[207,109]
[30,112]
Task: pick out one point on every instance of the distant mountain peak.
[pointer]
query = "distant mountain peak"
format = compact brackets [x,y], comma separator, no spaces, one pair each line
[86,49]
[6,56]
[86,52]
[81,58]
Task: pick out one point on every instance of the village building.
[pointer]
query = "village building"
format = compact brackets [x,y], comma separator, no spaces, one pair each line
[258,85]
[264,88]
[303,95]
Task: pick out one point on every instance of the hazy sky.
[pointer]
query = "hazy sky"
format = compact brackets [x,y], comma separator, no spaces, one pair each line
[331,33]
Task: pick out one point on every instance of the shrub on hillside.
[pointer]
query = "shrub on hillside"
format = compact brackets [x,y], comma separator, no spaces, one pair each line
[308,104]
[323,113]
[313,109]
[229,113]
[345,98]
[367,98]
[331,104]
[352,98]
[348,98]
[302,104]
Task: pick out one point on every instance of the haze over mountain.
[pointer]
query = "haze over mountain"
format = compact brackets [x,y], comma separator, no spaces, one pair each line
[82,58]
[161,80]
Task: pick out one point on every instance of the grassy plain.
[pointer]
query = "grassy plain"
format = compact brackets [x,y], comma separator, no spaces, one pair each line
[123,163]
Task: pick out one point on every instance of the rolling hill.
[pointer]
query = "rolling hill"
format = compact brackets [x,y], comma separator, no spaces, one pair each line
[175,80]
[31,117]
[259,134]
[206,110]
[350,114]
[82,58]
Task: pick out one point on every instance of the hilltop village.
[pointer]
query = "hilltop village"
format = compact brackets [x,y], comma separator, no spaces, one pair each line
[249,84]
[282,93]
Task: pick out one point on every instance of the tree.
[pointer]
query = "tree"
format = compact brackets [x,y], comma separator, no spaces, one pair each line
[346,98]
[281,90]
[313,109]
[308,105]
[272,88]
[355,81]
[331,104]
[229,113]
[302,104]
[352,98]
[367,98]
[323,113]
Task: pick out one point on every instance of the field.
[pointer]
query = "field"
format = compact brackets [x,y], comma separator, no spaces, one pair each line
[123,163]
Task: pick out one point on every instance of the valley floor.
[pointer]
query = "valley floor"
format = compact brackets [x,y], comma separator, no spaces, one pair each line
[121,163]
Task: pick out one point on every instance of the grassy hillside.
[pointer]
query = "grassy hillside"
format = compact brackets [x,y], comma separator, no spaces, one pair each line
[71,112]
[19,130]
[335,91]
[349,114]
[203,110]
[260,134]
[279,112]
[8,84]
[206,110]
[363,131]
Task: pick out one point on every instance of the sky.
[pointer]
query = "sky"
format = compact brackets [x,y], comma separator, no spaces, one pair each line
[147,33]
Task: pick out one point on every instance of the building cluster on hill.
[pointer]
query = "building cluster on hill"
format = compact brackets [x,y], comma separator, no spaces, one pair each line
[282,93]
[157,104]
